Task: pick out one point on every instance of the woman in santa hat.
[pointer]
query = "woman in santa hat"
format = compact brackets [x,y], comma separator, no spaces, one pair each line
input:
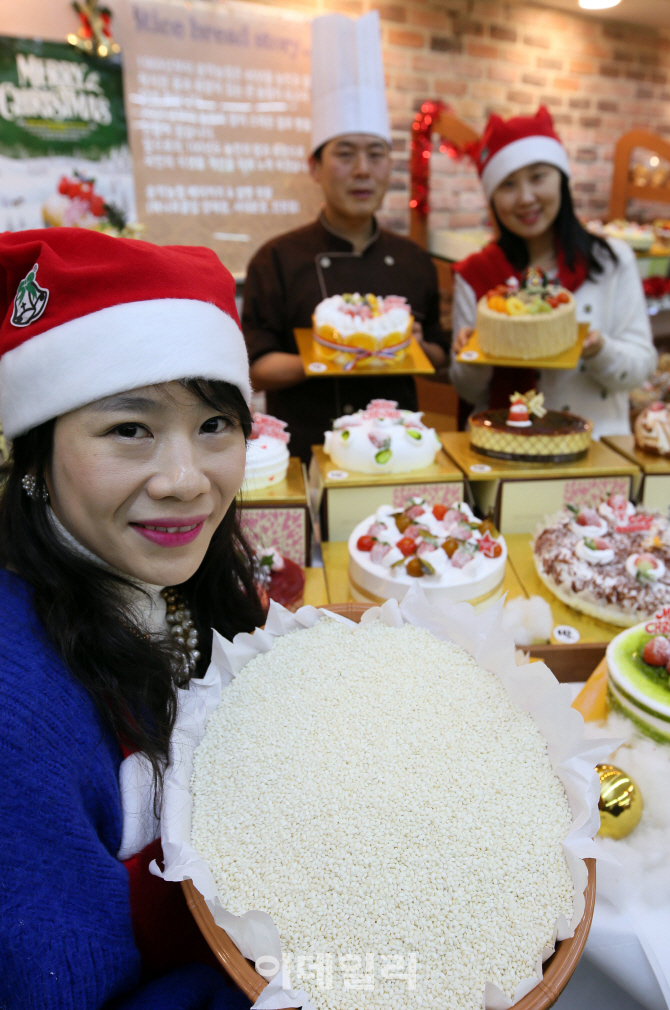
[124,388]
[524,170]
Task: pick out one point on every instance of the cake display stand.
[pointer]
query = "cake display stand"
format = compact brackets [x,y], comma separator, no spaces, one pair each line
[346,498]
[472,354]
[522,494]
[415,361]
[655,490]
[277,516]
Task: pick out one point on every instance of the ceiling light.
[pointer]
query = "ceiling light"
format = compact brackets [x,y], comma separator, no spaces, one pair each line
[597,5]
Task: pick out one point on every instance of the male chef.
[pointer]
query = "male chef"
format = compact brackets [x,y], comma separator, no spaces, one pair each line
[344,250]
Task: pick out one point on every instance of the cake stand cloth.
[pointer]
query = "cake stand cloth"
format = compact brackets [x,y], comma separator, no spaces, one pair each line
[532,687]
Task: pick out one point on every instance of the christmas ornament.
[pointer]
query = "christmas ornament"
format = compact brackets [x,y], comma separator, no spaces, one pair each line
[421,146]
[620,802]
[95,31]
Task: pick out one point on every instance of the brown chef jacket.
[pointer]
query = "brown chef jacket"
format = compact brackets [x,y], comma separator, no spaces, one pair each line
[286,280]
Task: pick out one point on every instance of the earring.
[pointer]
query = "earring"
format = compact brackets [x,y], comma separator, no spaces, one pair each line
[29,485]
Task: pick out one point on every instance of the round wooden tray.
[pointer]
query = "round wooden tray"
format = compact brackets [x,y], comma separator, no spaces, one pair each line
[557,969]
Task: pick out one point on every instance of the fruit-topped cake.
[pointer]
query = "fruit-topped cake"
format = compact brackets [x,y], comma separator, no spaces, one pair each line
[612,562]
[279,579]
[267,453]
[638,665]
[527,432]
[362,330]
[381,439]
[652,429]
[452,554]
[528,320]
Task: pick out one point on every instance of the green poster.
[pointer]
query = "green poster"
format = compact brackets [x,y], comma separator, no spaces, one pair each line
[61,117]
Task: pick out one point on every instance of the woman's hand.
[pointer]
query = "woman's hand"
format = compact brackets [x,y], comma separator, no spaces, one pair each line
[461,339]
[593,344]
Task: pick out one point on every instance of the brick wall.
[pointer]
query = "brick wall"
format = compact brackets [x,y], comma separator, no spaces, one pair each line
[599,78]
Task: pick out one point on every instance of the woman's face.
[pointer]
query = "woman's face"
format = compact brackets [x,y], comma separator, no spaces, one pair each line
[527,202]
[143,479]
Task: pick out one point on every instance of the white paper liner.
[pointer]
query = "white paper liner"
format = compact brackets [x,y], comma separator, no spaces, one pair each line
[532,687]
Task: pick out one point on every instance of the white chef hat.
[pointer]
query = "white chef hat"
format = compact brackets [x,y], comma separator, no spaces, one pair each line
[348,93]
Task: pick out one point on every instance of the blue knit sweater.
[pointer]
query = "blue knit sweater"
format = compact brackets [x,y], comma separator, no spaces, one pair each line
[65,931]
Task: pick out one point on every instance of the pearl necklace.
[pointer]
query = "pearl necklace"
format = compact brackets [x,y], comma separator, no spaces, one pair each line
[184,636]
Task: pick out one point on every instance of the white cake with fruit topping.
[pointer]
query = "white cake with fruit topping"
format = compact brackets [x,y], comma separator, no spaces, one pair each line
[452,554]
[612,563]
[267,453]
[381,439]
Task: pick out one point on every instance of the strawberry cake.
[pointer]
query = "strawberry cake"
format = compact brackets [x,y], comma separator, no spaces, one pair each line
[267,453]
[452,554]
[381,439]
[612,562]
[638,665]
[279,579]
[362,330]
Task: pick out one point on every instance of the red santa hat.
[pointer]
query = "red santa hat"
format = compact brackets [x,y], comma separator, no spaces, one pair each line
[84,315]
[507,145]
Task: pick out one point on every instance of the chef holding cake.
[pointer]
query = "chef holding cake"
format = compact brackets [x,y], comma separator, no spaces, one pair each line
[344,252]
[524,170]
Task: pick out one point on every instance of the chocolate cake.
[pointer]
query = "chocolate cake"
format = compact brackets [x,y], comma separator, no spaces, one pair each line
[544,436]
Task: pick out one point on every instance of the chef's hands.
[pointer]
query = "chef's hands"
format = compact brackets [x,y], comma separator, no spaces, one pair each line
[593,344]
[277,370]
[435,354]
[461,338]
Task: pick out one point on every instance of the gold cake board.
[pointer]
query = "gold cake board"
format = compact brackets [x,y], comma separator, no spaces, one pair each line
[415,361]
[472,354]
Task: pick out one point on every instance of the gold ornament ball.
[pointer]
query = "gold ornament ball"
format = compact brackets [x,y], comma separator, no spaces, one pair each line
[620,802]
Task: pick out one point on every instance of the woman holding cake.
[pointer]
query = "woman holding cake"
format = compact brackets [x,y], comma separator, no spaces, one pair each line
[524,170]
[128,451]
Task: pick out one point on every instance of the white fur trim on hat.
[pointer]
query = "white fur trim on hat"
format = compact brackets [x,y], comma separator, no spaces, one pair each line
[518,154]
[118,348]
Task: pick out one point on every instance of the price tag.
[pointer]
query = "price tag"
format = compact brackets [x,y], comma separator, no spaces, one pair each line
[317,367]
[469,355]
[480,468]
[565,634]
[337,475]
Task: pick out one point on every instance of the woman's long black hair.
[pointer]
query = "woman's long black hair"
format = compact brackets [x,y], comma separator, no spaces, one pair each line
[83,607]
[570,235]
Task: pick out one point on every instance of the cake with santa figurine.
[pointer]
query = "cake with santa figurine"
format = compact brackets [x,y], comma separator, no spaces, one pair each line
[528,319]
[527,432]
[267,453]
[362,330]
[454,555]
[381,439]
[611,562]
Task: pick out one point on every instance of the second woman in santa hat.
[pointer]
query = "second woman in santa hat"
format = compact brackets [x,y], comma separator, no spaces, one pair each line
[524,170]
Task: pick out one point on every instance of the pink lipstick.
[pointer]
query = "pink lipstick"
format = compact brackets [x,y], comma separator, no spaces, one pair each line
[172,531]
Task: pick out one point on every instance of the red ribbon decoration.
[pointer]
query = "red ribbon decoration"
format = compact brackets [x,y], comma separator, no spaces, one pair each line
[421,146]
